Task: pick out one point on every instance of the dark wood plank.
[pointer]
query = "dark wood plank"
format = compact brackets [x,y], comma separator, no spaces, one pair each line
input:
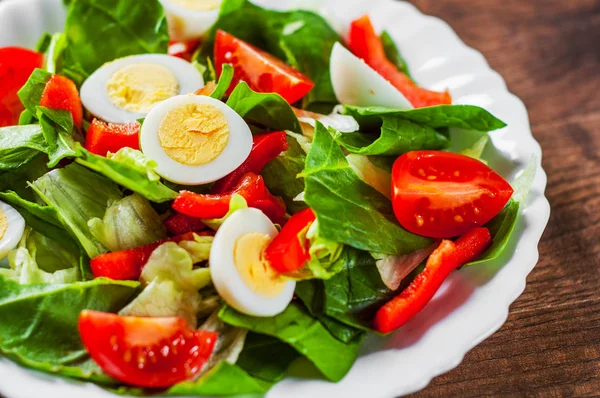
[548,53]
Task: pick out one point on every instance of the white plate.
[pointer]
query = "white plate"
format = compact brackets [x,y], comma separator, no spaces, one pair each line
[472,304]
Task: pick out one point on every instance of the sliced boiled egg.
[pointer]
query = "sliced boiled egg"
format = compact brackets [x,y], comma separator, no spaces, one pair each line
[12,226]
[125,90]
[195,139]
[356,83]
[190,19]
[239,271]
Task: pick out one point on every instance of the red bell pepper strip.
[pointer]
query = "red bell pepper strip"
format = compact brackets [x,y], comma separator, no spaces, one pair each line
[16,65]
[128,264]
[208,206]
[61,93]
[289,251]
[102,138]
[178,224]
[265,148]
[365,44]
[446,258]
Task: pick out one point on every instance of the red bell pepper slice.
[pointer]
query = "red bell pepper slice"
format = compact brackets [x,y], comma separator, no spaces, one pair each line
[366,44]
[446,258]
[61,93]
[128,264]
[265,148]
[208,206]
[289,252]
[102,138]
[178,224]
[16,65]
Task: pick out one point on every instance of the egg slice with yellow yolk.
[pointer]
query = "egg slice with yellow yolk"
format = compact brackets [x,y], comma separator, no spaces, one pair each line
[12,226]
[195,139]
[126,89]
[240,273]
[190,19]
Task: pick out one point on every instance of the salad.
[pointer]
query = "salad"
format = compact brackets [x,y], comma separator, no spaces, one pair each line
[197,194]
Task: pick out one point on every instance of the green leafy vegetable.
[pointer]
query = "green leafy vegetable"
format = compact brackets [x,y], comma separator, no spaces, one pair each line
[393,53]
[60,134]
[19,145]
[54,52]
[301,38]
[78,195]
[25,270]
[135,27]
[237,202]
[263,109]
[49,254]
[376,177]
[467,117]
[131,169]
[266,357]
[350,211]
[31,93]
[308,336]
[128,223]
[39,322]
[281,175]
[224,82]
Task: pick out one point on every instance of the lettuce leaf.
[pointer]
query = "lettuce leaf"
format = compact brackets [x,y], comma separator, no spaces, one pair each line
[308,336]
[60,134]
[39,322]
[367,171]
[132,170]
[25,270]
[49,254]
[229,344]
[78,195]
[303,39]
[348,210]
[466,117]
[129,222]
[19,145]
[263,109]
[136,27]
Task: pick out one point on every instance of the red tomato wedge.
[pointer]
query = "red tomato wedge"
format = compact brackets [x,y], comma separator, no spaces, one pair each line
[102,138]
[366,44]
[445,259]
[61,93]
[262,71]
[183,49]
[145,352]
[288,251]
[16,65]
[442,194]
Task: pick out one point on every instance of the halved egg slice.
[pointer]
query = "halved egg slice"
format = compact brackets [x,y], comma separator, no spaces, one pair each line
[195,139]
[356,83]
[12,226]
[239,271]
[190,19]
[125,90]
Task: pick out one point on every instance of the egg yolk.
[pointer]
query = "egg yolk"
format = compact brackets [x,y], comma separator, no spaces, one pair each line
[3,224]
[254,269]
[198,5]
[138,87]
[194,134]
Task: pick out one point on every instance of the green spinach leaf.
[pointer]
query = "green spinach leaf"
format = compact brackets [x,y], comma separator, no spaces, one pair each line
[304,333]
[224,82]
[350,211]
[31,93]
[393,53]
[60,133]
[19,145]
[266,357]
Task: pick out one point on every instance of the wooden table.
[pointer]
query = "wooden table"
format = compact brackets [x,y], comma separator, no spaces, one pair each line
[549,53]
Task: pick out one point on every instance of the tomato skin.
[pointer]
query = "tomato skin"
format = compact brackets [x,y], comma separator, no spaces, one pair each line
[442,194]
[16,65]
[102,138]
[145,352]
[61,93]
[183,49]
[262,71]
[286,253]
[366,44]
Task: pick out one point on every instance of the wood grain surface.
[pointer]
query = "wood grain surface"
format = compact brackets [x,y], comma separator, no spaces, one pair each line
[549,53]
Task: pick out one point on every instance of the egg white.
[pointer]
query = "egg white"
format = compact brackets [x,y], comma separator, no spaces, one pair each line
[95,98]
[14,232]
[185,24]
[235,153]
[224,273]
[356,83]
